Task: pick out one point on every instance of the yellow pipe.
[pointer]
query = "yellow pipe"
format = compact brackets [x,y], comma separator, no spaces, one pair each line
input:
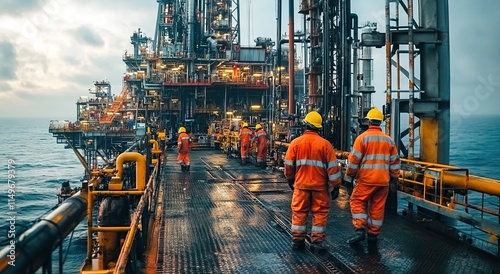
[90,206]
[342,154]
[156,146]
[429,139]
[481,184]
[476,183]
[140,167]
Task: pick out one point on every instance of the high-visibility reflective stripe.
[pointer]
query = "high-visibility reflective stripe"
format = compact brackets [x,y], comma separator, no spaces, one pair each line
[185,138]
[334,176]
[395,167]
[246,133]
[375,222]
[377,138]
[357,153]
[359,216]
[351,165]
[333,164]
[179,143]
[317,229]
[394,157]
[299,227]
[288,162]
[305,162]
[261,134]
[377,157]
[374,166]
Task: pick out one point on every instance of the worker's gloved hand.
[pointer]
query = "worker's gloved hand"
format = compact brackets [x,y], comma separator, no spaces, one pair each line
[393,184]
[290,183]
[335,193]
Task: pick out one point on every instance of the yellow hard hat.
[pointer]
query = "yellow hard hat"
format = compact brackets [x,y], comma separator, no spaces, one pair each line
[245,125]
[313,119]
[182,129]
[258,126]
[375,114]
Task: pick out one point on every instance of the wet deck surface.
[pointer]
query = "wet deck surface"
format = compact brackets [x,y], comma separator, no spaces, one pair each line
[222,217]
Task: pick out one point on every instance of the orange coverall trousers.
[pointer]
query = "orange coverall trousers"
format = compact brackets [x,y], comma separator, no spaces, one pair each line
[183,158]
[316,202]
[245,147]
[367,207]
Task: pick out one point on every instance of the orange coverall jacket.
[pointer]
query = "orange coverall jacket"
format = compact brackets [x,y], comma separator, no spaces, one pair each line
[374,158]
[261,144]
[246,137]
[311,162]
[183,146]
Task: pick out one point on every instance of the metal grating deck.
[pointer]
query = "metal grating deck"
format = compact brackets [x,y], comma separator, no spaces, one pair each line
[225,218]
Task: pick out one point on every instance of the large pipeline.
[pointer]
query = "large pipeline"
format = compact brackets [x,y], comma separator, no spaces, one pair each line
[140,172]
[34,247]
[476,183]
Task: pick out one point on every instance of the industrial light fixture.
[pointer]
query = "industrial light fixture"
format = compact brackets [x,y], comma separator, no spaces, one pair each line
[255,107]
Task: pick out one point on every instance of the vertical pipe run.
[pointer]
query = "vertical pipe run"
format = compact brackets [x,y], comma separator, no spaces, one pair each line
[304,76]
[411,114]
[345,101]
[325,74]
[291,59]
[314,73]
[355,82]
[278,34]
[238,15]
[388,59]
[398,59]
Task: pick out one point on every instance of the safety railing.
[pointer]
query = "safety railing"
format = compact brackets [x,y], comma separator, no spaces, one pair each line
[455,194]
[146,199]
[96,261]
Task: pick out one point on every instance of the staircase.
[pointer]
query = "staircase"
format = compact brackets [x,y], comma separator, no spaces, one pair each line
[109,116]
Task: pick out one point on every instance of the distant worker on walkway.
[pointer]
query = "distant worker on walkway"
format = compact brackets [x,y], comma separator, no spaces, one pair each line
[374,163]
[245,137]
[261,140]
[311,169]
[183,142]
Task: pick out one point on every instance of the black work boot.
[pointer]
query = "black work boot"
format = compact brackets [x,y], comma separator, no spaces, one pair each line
[298,245]
[359,236]
[317,247]
[188,167]
[371,238]
[263,165]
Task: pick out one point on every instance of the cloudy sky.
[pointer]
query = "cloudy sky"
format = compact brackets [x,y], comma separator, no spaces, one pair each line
[51,51]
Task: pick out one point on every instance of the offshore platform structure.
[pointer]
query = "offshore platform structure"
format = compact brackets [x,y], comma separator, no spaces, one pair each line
[200,70]
[195,73]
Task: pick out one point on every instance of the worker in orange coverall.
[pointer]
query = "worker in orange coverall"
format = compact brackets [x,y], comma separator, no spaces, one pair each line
[261,140]
[245,137]
[183,142]
[311,169]
[374,162]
